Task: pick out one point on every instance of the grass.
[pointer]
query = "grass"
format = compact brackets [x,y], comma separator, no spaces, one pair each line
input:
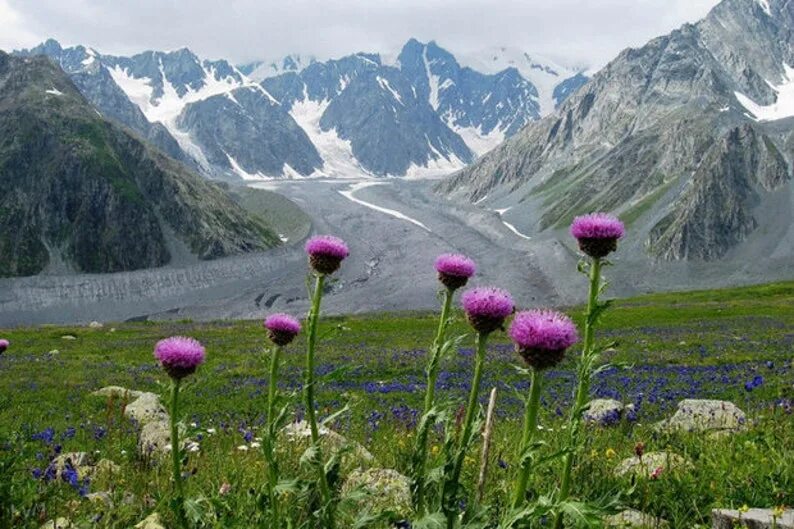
[707,344]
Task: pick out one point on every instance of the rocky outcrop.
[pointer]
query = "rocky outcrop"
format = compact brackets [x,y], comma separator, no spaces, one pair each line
[606,412]
[150,522]
[356,457]
[696,415]
[146,408]
[635,519]
[652,464]
[752,519]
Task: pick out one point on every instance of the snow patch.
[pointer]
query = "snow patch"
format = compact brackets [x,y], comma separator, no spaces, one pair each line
[54,91]
[509,226]
[392,212]
[432,80]
[384,83]
[542,72]
[780,109]
[476,140]
[338,159]
[242,172]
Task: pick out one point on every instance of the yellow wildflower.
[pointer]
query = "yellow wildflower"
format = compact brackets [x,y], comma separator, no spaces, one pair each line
[610,453]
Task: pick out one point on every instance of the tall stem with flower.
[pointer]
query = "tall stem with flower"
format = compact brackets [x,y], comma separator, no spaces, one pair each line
[282,330]
[179,357]
[597,235]
[325,257]
[486,310]
[454,272]
[541,338]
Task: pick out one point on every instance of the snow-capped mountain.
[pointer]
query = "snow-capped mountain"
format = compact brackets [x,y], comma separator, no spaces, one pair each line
[545,74]
[422,114]
[259,70]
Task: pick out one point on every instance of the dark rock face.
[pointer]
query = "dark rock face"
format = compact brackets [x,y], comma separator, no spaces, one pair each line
[251,128]
[660,137]
[80,191]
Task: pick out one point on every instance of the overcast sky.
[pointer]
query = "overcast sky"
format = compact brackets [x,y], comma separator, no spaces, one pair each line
[580,32]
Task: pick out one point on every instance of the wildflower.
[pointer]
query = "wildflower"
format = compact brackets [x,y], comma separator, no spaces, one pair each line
[656,473]
[487,308]
[454,270]
[326,253]
[248,436]
[639,449]
[225,489]
[778,511]
[542,336]
[597,233]
[243,448]
[744,508]
[4,345]
[179,356]
[610,453]
[282,328]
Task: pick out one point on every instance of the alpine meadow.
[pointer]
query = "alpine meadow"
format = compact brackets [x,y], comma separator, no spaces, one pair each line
[397,266]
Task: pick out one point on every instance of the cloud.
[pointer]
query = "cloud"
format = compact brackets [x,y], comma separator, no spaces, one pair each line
[576,31]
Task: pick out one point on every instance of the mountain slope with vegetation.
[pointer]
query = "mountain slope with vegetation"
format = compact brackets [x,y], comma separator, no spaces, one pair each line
[687,138]
[81,194]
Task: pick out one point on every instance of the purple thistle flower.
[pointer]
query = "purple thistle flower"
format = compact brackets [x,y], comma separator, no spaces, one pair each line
[179,355]
[326,253]
[4,345]
[542,336]
[487,308]
[454,270]
[282,328]
[597,233]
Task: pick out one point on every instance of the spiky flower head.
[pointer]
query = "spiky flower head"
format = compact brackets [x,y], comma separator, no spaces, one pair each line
[542,336]
[179,355]
[4,345]
[326,253]
[487,308]
[597,233]
[282,328]
[454,270]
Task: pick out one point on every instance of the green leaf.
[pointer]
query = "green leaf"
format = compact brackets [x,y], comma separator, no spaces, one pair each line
[435,520]
[331,418]
[196,509]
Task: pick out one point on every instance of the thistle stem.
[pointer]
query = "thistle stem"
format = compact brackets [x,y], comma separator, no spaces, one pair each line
[325,490]
[270,438]
[530,428]
[583,389]
[420,450]
[179,498]
[465,438]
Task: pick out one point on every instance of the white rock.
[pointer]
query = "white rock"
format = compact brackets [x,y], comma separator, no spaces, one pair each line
[605,412]
[330,440]
[636,519]
[80,461]
[651,462]
[155,439]
[60,523]
[694,415]
[68,337]
[100,497]
[117,392]
[752,519]
[150,522]
[95,325]
[146,408]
